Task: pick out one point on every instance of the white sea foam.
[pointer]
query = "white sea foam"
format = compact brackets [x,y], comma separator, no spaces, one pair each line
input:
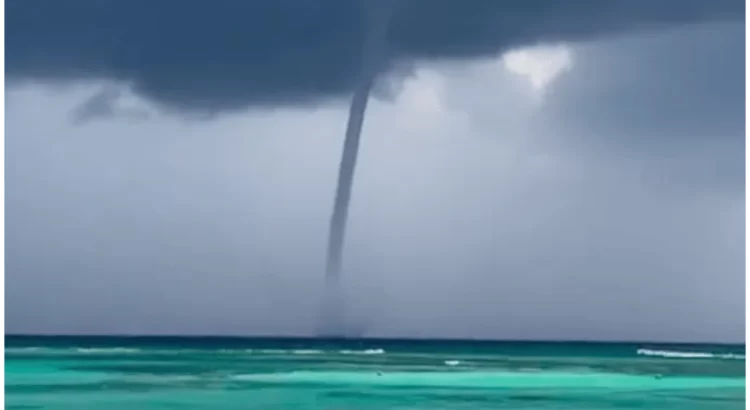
[107,350]
[281,351]
[307,351]
[452,362]
[689,355]
[235,351]
[23,349]
[367,351]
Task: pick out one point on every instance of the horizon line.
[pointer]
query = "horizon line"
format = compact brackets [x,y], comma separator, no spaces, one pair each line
[367,338]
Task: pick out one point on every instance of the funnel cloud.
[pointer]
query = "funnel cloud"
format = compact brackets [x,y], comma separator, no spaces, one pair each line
[373,56]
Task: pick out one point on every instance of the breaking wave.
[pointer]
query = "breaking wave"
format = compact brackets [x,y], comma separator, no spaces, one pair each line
[107,350]
[366,351]
[689,355]
[307,351]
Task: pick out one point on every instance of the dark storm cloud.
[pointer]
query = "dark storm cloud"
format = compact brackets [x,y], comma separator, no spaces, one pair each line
[687,82]
[680,101]
[225,54]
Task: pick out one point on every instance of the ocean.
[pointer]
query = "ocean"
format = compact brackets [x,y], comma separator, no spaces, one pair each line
[132,373]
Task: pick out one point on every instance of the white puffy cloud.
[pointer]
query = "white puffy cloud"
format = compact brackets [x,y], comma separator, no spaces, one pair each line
[540,65]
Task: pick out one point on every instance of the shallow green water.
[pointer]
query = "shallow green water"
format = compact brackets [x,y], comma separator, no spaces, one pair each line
[210,373]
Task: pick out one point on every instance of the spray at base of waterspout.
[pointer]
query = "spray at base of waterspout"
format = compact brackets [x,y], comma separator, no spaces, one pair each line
[332,322]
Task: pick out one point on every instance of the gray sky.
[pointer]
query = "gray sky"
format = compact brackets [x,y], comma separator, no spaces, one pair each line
[557,182]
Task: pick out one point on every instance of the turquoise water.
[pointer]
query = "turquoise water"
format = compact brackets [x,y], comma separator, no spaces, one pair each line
[223,373]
